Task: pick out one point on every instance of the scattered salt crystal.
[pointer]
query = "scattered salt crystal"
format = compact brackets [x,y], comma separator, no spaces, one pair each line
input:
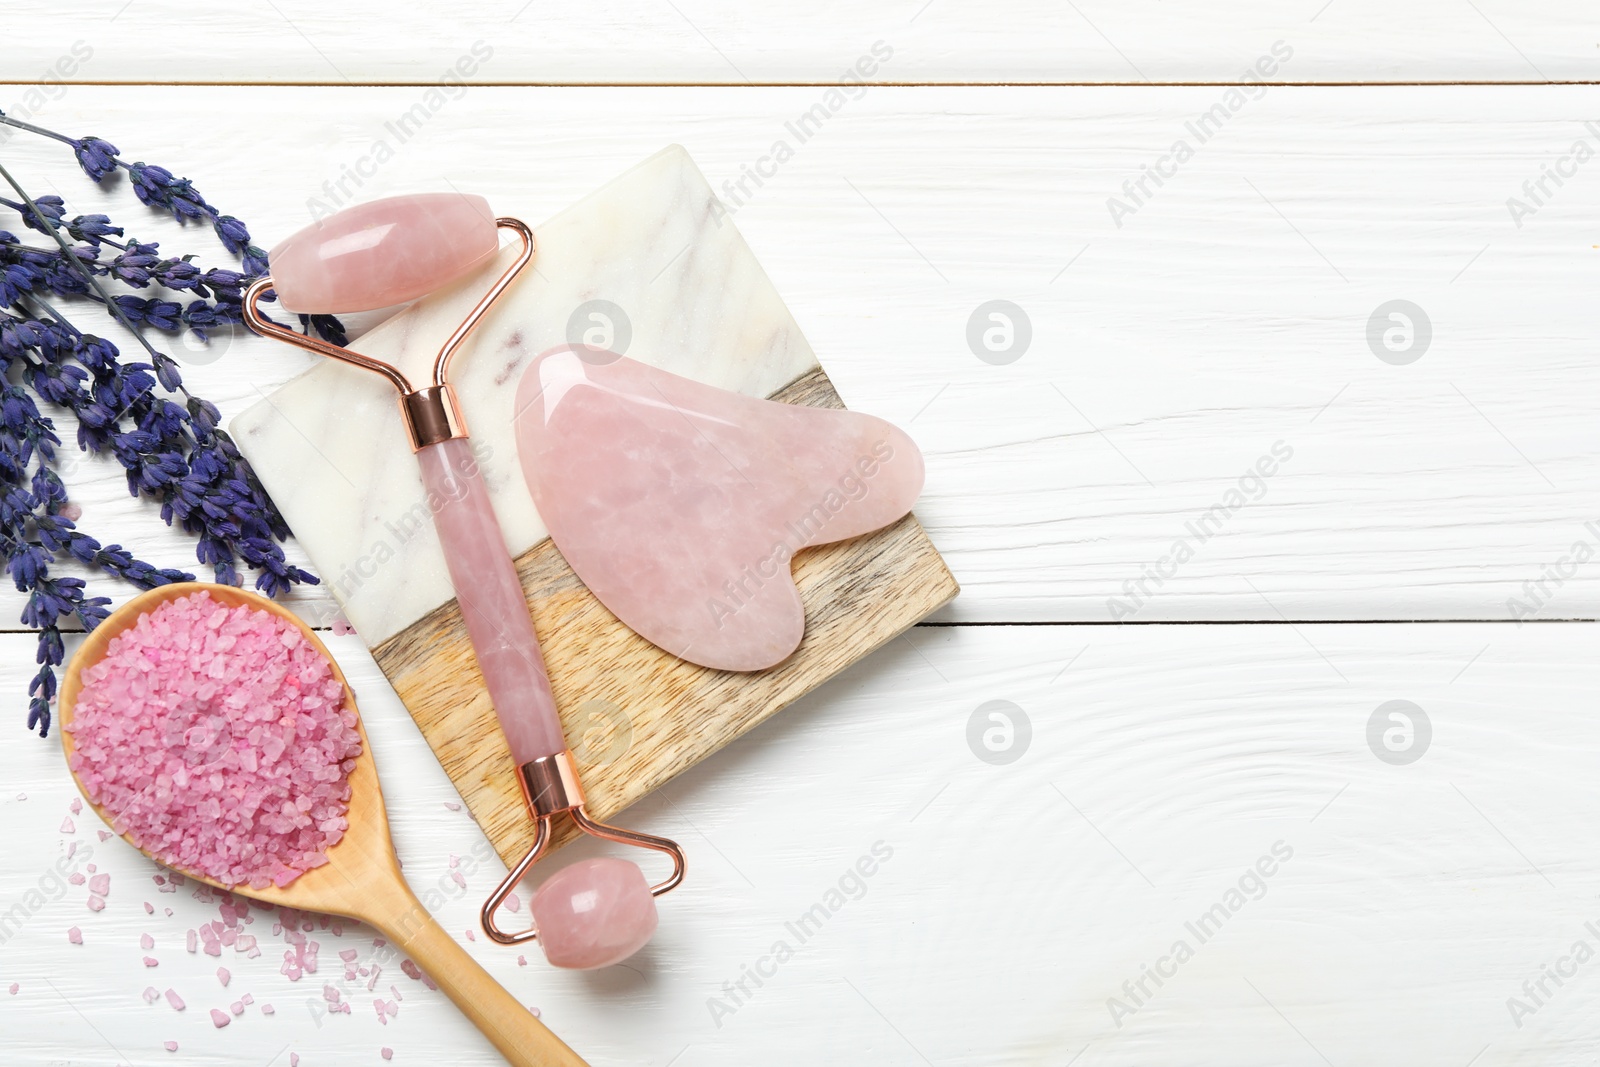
[13,989]
[104,835]
[74,935]
[76,807]
[395,990]
[67,827]
[533,1011]
[191,941]
[100,884]
[146,941]
[22,796]
[149,908]
[96,903]
[219,1019]
[151,961]
[470,935]
[76,878]
[522,961]
[237,1007]
[455,861]
[175,1000]
[348,954]
[266,1009]
[252,774]
[223,975]
[412,970]
[90,868]
[459,879]
[428,981]
[514,902]
[452,805]
[247,999]
[170,1046]
[72,512]
[151,994]
[168,911]
[294,1059]
[386,1052]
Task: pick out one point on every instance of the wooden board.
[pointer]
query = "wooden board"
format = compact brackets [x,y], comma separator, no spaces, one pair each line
[635,715]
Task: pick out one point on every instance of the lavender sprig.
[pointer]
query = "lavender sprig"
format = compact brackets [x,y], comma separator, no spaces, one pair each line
[168,441]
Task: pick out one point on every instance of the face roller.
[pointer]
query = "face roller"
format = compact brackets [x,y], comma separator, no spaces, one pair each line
[594,912]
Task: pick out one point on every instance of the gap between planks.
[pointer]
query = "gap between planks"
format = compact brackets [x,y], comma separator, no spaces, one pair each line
[829,84]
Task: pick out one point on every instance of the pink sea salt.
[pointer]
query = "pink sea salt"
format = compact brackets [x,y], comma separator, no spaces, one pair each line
[175,1000]
[219,1019]
[76,807]
[218,739]
[74,935]
[146,942]
[170,1046]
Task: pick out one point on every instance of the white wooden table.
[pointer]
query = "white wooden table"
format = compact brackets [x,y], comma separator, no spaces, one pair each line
[1348,888]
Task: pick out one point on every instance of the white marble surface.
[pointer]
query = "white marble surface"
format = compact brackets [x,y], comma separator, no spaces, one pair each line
[330,446]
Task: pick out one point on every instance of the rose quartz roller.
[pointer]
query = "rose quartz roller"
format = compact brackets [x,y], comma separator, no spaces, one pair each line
[594,912]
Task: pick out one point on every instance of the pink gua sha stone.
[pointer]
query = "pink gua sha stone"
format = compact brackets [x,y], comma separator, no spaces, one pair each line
[594,913]
[383,253]
[680,504]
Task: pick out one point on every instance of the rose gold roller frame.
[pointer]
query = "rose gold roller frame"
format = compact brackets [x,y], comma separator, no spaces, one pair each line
[432,415]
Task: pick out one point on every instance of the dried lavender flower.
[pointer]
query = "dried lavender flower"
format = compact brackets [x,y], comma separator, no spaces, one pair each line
[168,441]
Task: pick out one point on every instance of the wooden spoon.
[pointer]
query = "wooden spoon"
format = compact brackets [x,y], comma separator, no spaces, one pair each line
[362,878]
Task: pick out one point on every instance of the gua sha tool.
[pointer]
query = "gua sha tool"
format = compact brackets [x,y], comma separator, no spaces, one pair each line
[590,914]
[680,505]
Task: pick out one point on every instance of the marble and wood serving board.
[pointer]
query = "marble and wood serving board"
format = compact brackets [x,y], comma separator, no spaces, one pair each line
[652,263]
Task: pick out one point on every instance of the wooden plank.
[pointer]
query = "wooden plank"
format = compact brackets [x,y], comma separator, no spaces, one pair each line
[715,41]
[1228,313]
[1414,906]
[636,716]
